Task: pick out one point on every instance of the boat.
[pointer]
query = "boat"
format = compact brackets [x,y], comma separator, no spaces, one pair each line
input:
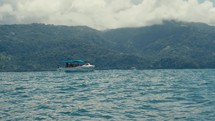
[133,68]
[77,66]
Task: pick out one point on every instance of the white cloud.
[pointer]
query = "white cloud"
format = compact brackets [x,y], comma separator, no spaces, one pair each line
[103,14]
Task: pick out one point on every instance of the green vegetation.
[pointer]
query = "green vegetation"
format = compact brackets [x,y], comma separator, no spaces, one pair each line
[38,47]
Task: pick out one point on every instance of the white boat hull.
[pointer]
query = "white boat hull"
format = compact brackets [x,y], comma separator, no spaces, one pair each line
[83,68]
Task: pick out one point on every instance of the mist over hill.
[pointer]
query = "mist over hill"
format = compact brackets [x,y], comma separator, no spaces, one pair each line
[37,47]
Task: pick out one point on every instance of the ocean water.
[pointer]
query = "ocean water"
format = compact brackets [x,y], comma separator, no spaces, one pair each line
[115,95]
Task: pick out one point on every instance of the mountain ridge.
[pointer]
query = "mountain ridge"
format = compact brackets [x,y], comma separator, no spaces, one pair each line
[37,47]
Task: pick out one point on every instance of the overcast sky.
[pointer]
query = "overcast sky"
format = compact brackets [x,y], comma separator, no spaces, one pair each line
[103,14]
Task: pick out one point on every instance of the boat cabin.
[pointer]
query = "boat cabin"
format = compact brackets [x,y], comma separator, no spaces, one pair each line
[75,63]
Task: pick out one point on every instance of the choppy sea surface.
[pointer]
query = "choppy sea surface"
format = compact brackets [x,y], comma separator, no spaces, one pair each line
[133,95]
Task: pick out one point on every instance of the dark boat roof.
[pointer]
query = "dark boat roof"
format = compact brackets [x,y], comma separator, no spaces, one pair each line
[74,61]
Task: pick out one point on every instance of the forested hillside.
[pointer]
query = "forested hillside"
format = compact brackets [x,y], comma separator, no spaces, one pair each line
[37,47]
[171,45]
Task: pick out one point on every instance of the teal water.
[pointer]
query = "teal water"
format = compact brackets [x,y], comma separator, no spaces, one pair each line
[138,95]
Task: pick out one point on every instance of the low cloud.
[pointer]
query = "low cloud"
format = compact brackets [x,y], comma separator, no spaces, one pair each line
[103,14]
